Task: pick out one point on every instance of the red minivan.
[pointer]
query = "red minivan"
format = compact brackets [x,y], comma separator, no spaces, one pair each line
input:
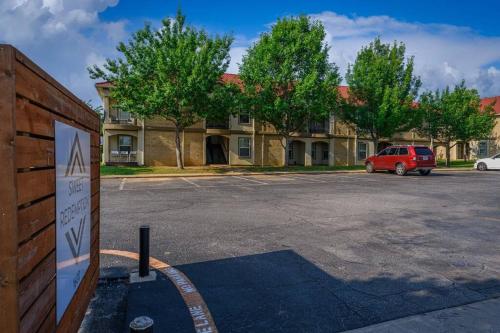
[401,159]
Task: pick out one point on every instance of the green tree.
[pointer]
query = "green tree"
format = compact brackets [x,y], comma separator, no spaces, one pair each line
[457,116]
[382,91]
[99,110]
[288,80]
[429,123]
[173,72]
[462,118]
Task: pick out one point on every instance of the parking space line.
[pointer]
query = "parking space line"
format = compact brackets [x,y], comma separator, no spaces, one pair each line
[306,179]
[190,182]
[251,180]
[122,184]
[363,178]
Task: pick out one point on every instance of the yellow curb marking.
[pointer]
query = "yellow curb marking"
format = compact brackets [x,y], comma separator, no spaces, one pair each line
[202,318]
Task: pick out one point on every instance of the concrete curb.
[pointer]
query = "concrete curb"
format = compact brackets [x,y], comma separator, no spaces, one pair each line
[230,173]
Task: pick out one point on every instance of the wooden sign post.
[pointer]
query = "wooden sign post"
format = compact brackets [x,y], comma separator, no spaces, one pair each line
[31,104]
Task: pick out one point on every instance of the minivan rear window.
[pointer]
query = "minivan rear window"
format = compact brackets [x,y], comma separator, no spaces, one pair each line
[423,151]
[403,151]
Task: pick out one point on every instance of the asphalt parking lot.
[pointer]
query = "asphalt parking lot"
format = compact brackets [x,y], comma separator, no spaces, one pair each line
[314,253]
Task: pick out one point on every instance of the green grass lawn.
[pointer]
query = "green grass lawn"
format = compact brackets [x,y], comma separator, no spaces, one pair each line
[137,170]
[142,170]
[456,164]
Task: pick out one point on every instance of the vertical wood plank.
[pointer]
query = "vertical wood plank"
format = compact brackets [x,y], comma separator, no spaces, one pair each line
[8,202]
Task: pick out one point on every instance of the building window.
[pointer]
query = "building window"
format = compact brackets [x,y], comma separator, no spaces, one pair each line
[291,152]
[483,149]
[313,151]
[244,117]
[325,155]
[362,151]
[244,147]
[125,143]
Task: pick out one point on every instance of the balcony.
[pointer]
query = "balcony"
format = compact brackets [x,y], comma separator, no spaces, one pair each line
[218,124]
[125,121]
[119,120]
[319,127]
[122,157]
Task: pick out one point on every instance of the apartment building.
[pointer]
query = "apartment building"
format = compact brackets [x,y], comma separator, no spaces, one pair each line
[239,140]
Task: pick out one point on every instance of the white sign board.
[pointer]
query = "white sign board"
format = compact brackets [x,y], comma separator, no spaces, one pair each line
[73,211]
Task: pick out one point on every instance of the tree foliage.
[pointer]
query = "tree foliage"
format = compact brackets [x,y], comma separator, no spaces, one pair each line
[288,80]
[382,91]
[455,116]
[173,72]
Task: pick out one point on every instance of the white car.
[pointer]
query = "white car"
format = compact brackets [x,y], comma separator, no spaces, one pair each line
[490,163]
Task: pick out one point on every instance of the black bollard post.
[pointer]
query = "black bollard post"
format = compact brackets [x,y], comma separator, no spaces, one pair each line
[141,324]
[144,251]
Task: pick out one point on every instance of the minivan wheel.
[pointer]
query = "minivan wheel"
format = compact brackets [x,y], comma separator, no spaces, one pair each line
[424,172]
[482,166]
[370,168]
[400,169]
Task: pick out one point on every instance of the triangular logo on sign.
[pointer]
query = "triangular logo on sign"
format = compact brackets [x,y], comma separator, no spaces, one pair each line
[75,239]
[75,158]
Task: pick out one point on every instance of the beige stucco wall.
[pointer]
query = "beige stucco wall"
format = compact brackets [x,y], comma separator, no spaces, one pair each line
[234,157]
[236,126]
[494,146]
[193,149]
[162,122]
[273,151]
[159,148]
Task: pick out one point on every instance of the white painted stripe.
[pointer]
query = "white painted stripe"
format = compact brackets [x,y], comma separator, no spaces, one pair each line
[122,184]
[312,180]
[190,182]
[251,180]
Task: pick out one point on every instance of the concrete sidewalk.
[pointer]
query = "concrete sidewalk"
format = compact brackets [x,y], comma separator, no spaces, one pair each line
[252,173]
[481,316]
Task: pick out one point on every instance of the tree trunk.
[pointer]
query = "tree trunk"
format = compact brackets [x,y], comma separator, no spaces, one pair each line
[448,154]
[178,150]
[466,151]
[286,151]
[432,144]
[375,144]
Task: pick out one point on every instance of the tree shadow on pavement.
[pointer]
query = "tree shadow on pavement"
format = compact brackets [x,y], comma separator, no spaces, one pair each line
[283,292]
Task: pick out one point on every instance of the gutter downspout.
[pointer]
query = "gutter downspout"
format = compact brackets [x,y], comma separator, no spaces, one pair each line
[253,142]
[356,148]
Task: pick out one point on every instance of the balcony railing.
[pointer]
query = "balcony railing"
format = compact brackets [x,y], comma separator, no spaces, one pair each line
[115,120]
[123,156]
[218,124]
[318,127]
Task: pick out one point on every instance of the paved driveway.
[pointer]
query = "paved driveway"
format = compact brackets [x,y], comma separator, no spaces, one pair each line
[316,253]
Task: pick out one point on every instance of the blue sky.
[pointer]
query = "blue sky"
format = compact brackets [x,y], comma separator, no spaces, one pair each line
[451,40]
[249,17]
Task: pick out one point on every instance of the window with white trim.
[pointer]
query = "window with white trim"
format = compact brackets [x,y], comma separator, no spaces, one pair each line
[362,151]
[125,143]
[244,144]
[482,148]
[291,150]
[244,118]
[325,155]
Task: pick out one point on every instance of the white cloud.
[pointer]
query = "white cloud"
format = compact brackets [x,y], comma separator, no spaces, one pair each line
[66,36]
[63,37]
[444,54]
